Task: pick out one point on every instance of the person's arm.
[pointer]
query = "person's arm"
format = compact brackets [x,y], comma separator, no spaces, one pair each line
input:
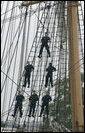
[46,69]
[33,67]
[23,99]
[50,98]
[54,69]
[42,39]
[25,68]
[16,98]
[30,98]
[37,98]
[43,98]
[49,39]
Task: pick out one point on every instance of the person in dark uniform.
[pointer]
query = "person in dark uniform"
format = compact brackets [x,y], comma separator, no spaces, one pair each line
[49,75]
[45,103]
[28,70]
[44,41]
[33,99]
[19,99]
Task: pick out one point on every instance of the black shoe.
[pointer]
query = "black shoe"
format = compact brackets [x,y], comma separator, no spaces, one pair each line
[29,115]
[21,116]
[39,56]
[24,85]
[32,115]
[13,115]
[46,86]
[48,55]
[47,116]
[28,86]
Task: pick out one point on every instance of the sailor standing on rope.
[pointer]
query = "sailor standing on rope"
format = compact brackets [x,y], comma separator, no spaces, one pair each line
[19,99]
[49,75]
[46,99]
[44,41]
[28,70]
[33,99]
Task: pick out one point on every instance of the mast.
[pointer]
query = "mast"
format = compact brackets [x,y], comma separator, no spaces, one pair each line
[75,76]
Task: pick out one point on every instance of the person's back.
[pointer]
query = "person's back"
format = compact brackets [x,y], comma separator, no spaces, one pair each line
[46,99]
[29,68]
[50,69]
[33,98]
[19,99]
[45,40]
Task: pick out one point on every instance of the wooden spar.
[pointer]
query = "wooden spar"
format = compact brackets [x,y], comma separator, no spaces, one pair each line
[25,3]
[75,76]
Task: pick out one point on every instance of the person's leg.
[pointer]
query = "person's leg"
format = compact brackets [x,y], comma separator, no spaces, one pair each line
[25,80]
[15,110]
[42,109]
[28,80]
[30,110]
[33,110]
[47,48]
[47,110]
[20,109]
[46,81]
[41,50]
[51,80]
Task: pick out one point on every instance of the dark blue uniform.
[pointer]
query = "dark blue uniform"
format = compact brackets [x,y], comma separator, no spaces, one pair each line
[18,104]
[28,70]
[46,99]
[49,70]
[33,99]
[44,41]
